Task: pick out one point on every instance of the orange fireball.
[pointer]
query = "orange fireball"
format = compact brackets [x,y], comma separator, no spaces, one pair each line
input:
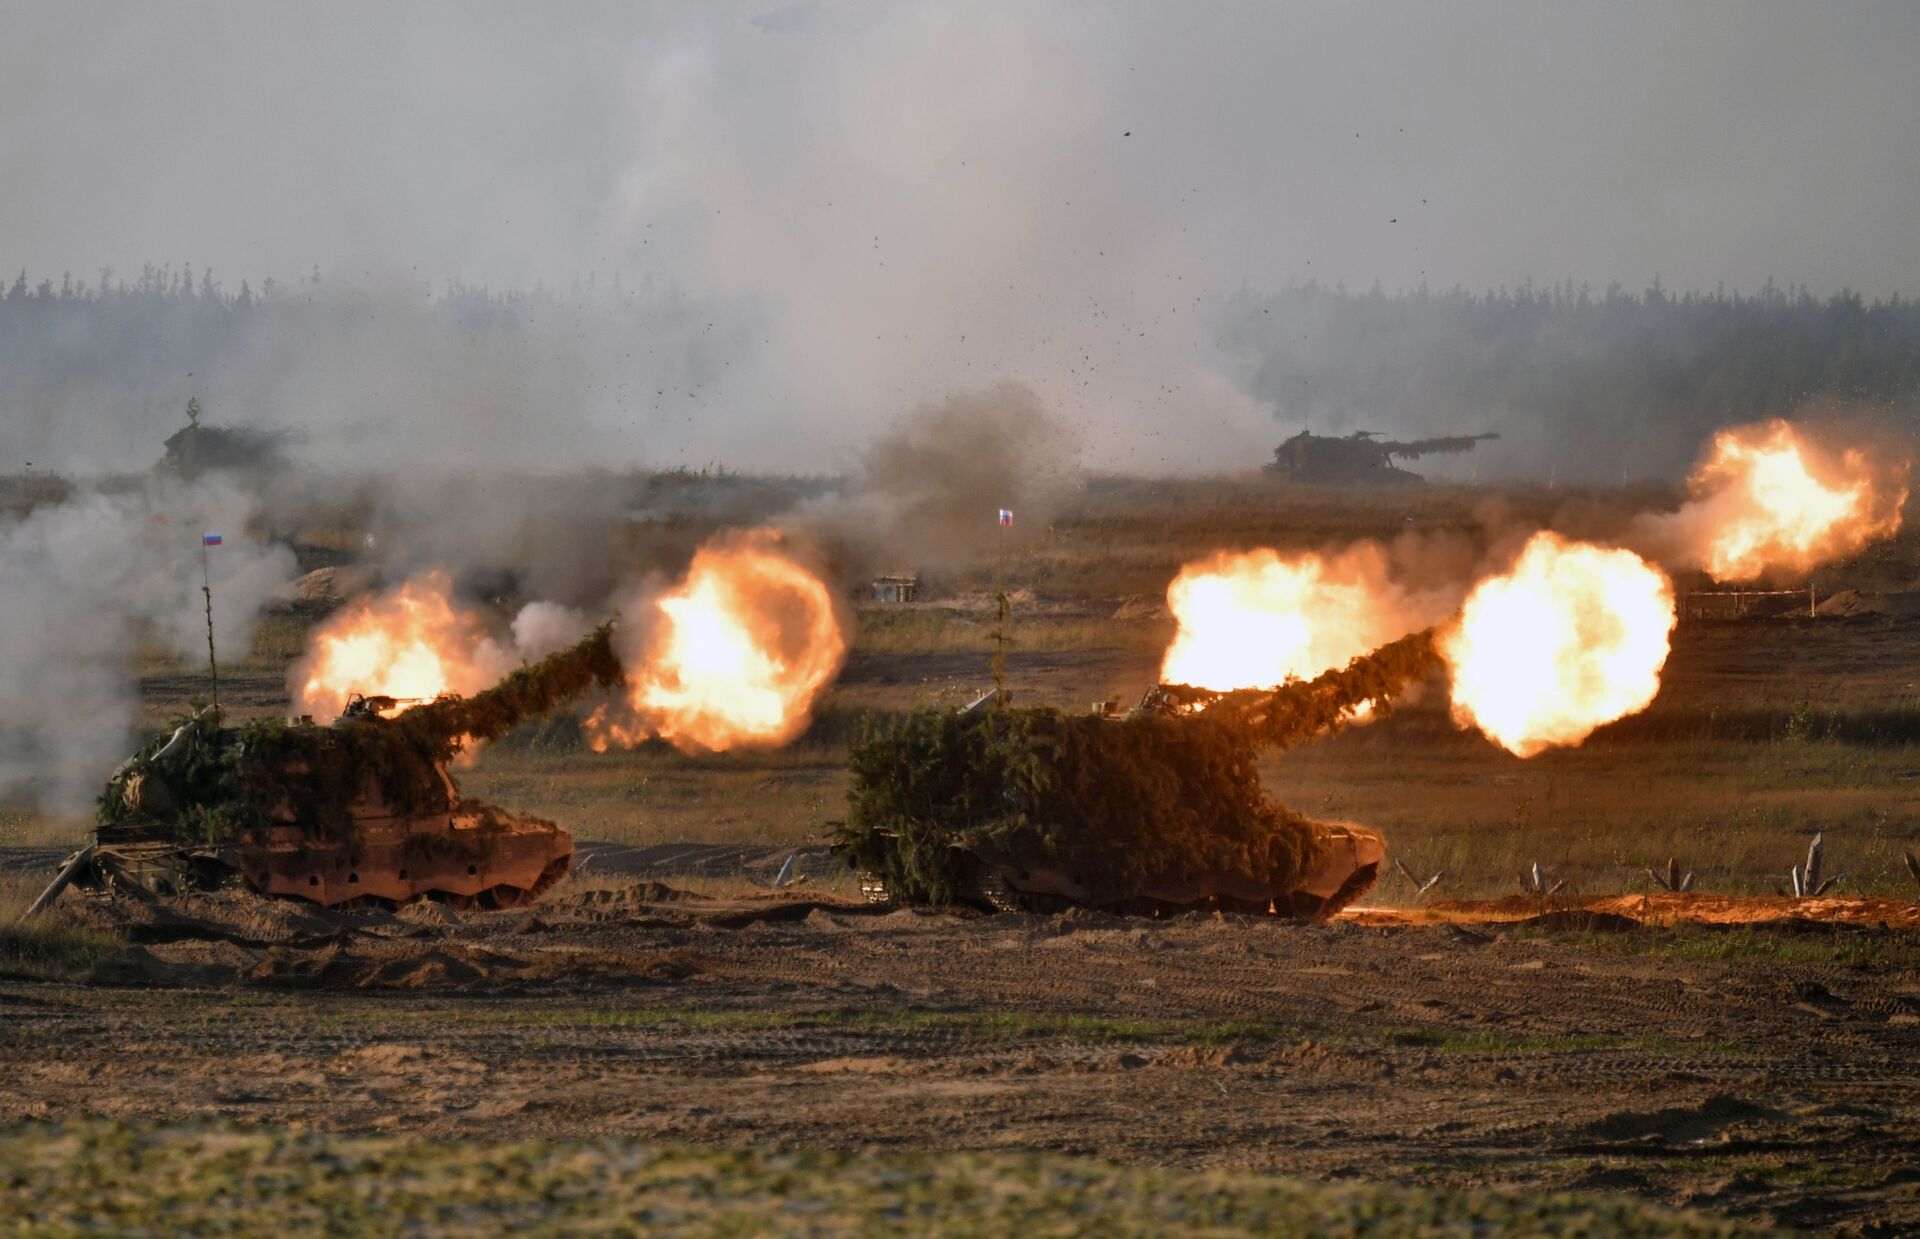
[1570,638]
[412,642]
[1770,500]
[734,655]
[1256,619]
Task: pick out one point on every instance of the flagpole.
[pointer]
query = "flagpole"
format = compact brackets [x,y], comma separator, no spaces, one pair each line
[206,589]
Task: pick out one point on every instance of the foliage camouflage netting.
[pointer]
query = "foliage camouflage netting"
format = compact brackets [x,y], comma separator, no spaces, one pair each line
[1121,804]
[1301,709]
[528,693]
[220,781]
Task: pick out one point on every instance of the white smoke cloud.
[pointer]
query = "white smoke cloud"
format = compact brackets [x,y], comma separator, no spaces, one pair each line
[543,628]
[929,487]
[82,583]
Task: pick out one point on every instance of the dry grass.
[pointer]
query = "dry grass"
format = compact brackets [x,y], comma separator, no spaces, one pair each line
[1128,536]
[17,890]
[928,630]
[278,639]
[653,794]
[52,944]
[204,1179]
[1738,813]
[22,826]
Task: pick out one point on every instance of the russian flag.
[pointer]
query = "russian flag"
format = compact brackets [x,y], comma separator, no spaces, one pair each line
[1006,516]
[209,539]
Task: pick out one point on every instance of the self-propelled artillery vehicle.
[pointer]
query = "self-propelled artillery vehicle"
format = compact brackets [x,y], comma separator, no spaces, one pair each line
[363,809]
[1155,812]
[1362,458]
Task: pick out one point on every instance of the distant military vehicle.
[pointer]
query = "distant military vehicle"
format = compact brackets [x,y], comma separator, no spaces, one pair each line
[1361,458]
[195,449]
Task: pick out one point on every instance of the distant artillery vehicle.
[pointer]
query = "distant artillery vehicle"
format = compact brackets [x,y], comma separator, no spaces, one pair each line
[1361,458]
[197,449]
[361,810]
[1157,812]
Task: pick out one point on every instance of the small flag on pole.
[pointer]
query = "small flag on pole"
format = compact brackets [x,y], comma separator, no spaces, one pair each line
[209,539]
[1006,517]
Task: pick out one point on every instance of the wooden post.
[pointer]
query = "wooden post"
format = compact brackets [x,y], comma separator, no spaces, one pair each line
[206,589]
[65,879]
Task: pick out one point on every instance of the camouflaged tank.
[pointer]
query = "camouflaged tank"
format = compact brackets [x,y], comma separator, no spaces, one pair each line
[1155,812]
[361,809]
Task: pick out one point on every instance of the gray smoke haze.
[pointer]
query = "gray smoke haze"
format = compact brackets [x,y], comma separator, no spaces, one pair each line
[361,376]
[929,488]
[560,538]
[845,210]
[86,582]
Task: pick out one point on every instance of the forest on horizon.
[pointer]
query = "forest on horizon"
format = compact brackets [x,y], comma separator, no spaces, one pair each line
[1597,384]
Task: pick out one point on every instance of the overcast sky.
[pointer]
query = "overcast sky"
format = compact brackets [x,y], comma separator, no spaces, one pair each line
[926,196]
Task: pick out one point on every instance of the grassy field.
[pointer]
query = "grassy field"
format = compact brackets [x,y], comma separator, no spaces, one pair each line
[93,1178]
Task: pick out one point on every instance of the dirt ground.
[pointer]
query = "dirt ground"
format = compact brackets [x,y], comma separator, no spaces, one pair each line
[1767,1072]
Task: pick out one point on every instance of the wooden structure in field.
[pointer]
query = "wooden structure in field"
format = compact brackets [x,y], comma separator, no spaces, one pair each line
[897,587]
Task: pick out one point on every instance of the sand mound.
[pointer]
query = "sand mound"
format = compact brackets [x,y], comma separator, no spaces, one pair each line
[324,587]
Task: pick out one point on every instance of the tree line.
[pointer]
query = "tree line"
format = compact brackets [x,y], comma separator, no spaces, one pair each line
[1595,384]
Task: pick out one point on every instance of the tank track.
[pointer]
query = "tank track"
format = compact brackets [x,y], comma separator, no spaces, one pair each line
[987,888]
[990,887]
[154,871]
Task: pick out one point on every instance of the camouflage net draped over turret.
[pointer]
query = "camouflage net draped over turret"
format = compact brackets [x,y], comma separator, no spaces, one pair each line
[527,693]
[1162,794]
[219,782]
[1301,709]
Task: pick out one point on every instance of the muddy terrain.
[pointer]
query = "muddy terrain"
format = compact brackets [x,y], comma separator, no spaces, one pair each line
[1764,1071]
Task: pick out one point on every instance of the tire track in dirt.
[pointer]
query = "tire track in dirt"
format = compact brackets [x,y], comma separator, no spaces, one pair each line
[1395,1052]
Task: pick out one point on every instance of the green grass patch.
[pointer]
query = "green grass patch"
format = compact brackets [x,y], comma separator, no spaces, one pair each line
[1479,1041]
[1486,1041]
[112,1178]
[1743,944]
[49,947]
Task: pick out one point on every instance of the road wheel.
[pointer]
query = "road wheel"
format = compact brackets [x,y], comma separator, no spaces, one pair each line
[505,897]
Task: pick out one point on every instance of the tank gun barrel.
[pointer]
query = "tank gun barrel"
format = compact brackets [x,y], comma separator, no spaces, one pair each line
[530,692]
[1444,445]
[1302,708]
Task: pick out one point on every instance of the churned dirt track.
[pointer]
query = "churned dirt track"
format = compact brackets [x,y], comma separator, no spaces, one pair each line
[1768,1073]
